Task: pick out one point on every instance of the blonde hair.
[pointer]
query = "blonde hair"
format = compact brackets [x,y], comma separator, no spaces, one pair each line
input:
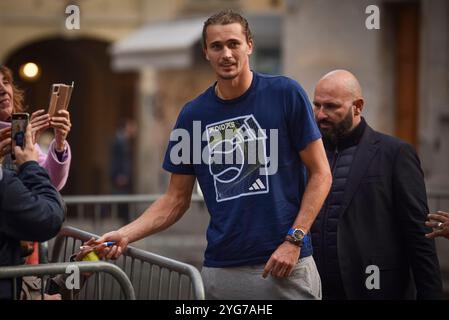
[227,17]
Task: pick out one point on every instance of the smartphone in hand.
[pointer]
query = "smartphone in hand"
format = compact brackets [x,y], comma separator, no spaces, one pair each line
[60,95]
[18,128]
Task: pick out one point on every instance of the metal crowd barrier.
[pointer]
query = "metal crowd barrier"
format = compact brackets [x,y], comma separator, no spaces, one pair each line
[52,269]
[153,277]
[125,207]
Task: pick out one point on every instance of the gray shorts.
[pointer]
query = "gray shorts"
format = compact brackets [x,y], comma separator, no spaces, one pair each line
[247,283]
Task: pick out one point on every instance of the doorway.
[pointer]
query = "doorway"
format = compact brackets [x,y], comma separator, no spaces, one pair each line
[101,98]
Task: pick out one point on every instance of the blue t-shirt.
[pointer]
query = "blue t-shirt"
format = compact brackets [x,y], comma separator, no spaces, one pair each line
[245,155]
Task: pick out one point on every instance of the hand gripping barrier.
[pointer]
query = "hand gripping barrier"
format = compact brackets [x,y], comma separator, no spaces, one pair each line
[153,277]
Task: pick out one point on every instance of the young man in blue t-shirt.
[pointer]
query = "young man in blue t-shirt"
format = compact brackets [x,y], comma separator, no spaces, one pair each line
[252,143]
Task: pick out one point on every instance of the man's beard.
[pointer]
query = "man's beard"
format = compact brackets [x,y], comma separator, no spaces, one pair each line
[337,130]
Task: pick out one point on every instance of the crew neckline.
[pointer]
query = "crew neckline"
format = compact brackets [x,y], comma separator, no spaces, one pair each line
[238,99]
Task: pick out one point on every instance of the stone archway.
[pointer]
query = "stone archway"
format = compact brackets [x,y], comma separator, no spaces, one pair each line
[100,98]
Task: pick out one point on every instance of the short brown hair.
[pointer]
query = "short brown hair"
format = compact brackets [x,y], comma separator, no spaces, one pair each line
[227,17]
[18,93]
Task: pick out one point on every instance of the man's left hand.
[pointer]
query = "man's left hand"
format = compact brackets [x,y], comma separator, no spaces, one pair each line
[282,261]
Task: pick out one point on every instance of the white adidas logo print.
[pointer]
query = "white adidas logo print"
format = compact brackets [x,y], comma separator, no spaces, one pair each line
[258,185]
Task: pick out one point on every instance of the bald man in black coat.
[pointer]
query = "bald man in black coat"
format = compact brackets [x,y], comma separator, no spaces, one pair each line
[369,238]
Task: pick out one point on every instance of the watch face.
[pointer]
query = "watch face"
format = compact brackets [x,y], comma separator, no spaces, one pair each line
[298,234]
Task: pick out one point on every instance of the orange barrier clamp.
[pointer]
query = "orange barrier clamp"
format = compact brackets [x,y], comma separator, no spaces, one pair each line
[34,257]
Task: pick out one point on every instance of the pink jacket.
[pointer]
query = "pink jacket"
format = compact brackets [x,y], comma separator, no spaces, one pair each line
[58,171]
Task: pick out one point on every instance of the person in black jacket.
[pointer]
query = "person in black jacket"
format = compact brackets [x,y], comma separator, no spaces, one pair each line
[31,208]
[369,238]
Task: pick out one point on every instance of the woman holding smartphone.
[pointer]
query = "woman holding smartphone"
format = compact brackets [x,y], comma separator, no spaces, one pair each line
[57,161]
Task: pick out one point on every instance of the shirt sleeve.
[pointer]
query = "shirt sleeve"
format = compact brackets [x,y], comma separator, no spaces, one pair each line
[32,209]
[62,156]
[57,170]
[411,205]
[302,128]
[178,156]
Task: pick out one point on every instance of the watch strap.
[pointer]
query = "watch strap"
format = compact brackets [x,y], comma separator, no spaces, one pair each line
[290,239]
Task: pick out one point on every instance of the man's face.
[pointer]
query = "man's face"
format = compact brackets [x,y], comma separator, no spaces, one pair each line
[334,112]
[6,98]
[227,50]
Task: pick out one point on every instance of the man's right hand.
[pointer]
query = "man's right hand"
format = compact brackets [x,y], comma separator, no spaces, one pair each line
[29,153]
[157,217]
[439,221]
[121,242]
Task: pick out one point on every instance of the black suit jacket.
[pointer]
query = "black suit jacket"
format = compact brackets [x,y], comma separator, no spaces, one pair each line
[382,223]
